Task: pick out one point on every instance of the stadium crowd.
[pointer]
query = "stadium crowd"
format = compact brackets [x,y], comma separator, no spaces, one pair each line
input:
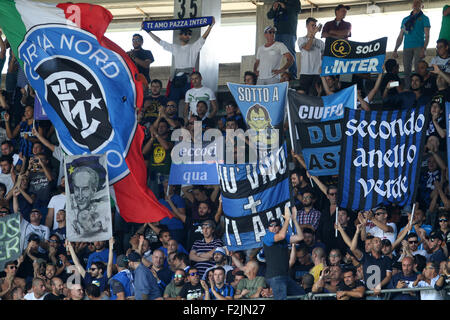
[184,257]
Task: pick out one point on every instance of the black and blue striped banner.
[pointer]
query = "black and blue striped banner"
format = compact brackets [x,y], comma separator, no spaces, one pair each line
[251,195]
[380,157]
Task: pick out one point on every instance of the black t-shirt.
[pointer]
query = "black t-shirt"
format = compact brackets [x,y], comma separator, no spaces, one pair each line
[429,86]
[190,292]
[144,55]
[375,269]
[357,284]
[298,270]
[51,296]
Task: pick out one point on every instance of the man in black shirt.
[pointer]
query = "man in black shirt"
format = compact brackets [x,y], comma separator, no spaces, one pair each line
[57,290]
[350,288]
[141,58]
[192,290]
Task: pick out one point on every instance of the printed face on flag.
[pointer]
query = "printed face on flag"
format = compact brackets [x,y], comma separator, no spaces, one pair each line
[88,213]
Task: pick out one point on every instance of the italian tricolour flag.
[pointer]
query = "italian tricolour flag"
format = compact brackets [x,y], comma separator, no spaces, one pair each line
[17,17]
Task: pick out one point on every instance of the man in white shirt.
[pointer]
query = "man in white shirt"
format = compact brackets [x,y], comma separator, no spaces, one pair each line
[57,202]
[382,228]
[196,94]
[268,59]
[428,278]
[442,59]
[185,56]
[38,290]
[7,176]
[311,50]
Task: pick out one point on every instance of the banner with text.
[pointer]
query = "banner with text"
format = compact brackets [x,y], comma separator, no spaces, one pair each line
[316,125]
[251,195]
[346,57]
[9,238]
[175,24]
[262,107]
[197,164]
[380,160]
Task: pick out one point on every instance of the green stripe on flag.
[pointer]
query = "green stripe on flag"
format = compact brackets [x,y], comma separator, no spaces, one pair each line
[12,25]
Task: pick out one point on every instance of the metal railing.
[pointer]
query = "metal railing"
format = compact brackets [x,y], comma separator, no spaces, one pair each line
[386,296]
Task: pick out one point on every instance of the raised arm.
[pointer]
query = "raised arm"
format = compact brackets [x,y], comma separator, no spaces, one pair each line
[43,140]
[354,245]
[281,235]
[398,43]
[375,88]
[298,236]
[208,31]
[77,263]
[110,258]
[154,37]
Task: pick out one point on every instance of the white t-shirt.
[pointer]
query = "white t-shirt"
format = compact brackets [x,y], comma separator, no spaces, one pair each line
[30,296]
[429,294]
[441,63]
[58,154]
[6,179]
[379,233]
[311,60]
[270,59]
[195,95]
[57,202]
[27,228]
[184,56]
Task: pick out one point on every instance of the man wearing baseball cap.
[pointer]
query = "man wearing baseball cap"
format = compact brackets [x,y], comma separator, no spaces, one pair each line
[268,59]
[338,28]
[220,258]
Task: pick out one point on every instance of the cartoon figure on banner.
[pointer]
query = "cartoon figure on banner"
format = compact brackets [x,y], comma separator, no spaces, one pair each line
[258,119]
[85,179]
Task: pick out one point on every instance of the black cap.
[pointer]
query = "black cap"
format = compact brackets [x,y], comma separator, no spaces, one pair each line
[34,237]
[340,7]
[134,257]
[185,31]
[277,221]
[437,235]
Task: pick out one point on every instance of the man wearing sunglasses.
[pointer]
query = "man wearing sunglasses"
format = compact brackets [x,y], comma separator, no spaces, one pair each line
[10,281]
[185,56]
[142,58]
[433,244]
[276,250]
[268,59]
[382,229]
[192,290]
[174,287]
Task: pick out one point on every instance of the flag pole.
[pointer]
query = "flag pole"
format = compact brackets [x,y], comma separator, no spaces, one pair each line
[412,215]
[335,230]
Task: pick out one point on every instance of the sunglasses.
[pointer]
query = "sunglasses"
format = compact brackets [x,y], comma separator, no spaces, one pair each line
[413,241]
[12,267]
[307,197]
[178,276]
[443,220]
[193,274]
[272,225]
[93,269]
[379,213]
[332,194]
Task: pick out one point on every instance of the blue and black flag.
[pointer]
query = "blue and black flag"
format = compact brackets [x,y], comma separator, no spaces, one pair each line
[316,132]
[380,157]
[347,57]
[255,191]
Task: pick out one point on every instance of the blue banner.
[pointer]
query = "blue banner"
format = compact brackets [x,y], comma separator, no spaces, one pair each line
[175,24]
[315,124]
[447,112]
[194,163]
[380,157]
[251,195]
[347,57]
